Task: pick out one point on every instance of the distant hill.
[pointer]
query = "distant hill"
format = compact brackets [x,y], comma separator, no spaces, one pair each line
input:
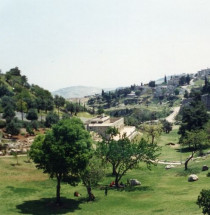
[79,91]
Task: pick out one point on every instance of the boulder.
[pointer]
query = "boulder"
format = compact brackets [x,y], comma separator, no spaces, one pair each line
[24,150]
[205,167]
[169,166]
[134,182]
[192,178]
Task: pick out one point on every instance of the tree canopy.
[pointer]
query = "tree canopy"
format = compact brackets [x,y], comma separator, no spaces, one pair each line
[124,155]
[63,152]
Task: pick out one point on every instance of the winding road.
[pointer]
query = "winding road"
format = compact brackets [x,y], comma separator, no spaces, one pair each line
[171,117]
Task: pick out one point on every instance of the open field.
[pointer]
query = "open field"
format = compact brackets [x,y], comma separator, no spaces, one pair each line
[26,190]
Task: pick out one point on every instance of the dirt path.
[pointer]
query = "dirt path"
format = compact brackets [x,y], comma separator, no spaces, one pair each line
[171,117]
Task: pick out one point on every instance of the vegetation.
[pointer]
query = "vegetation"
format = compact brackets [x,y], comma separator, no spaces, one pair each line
[196,141]
[162,192]
[63,152]
[204,201]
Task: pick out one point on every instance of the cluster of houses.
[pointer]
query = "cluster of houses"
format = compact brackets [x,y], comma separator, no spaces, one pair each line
[101,123]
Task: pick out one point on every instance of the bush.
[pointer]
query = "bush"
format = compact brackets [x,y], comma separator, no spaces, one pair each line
[208,174]
[203,201]
[2,124]
[13,127]
[51,118]
[32,114]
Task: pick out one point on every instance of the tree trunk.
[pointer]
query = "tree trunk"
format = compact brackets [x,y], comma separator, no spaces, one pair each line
[89,193]
[22,116]
[153,139]
[58,189]
[117,181]
[188,159]
[114,172]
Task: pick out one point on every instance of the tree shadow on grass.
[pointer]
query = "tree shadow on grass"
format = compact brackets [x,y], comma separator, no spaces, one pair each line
[21,190]
[185,150]
[110,175]
[135,188]
[47,206]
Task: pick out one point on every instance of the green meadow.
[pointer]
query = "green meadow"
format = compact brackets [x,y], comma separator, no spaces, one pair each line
[26,190]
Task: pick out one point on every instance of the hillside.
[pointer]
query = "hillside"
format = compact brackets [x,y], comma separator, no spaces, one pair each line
[78,91]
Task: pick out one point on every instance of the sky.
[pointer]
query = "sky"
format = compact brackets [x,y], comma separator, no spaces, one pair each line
[103,43]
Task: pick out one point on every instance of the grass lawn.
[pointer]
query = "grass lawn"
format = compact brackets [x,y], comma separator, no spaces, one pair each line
[172,152]
[26,190]
[85,115]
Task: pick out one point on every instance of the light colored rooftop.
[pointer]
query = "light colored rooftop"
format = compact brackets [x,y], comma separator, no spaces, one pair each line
[128,130]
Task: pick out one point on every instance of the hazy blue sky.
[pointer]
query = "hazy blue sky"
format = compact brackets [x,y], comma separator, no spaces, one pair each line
[105,43]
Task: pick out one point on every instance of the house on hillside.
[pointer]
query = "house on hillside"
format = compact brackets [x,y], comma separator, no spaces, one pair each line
[204,72]
[174,81]
[162,91]
[131,95]
[101,123]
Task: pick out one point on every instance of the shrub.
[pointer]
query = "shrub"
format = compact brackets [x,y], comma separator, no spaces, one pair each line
[2,124]
[203,201]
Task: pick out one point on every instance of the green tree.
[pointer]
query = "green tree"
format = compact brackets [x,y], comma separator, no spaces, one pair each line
[21,104]
[70,107]
[186,94]
[196,140]
[44,99]
[165,79]
[93,173]
[182,81]
[203,201]
[187,79]
[13,127]
[59,102]
[8,113]
[176,92]
[24,80]
[124,155]
[194,117]
[32,114]
[167,126]
[100,110]
[152,84]
[63,152]
[206,87]
[51,118]
[153,132]
[15,155]
[4,91]
[7,100]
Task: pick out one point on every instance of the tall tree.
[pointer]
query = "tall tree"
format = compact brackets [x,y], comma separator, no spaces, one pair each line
[125,155]
[51,118]
[92,174]
[196,140]
[8,113]
[165,79]
[153,132]
[194,117]
[63,152]
[187,79]
[59,102]
[32,114]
